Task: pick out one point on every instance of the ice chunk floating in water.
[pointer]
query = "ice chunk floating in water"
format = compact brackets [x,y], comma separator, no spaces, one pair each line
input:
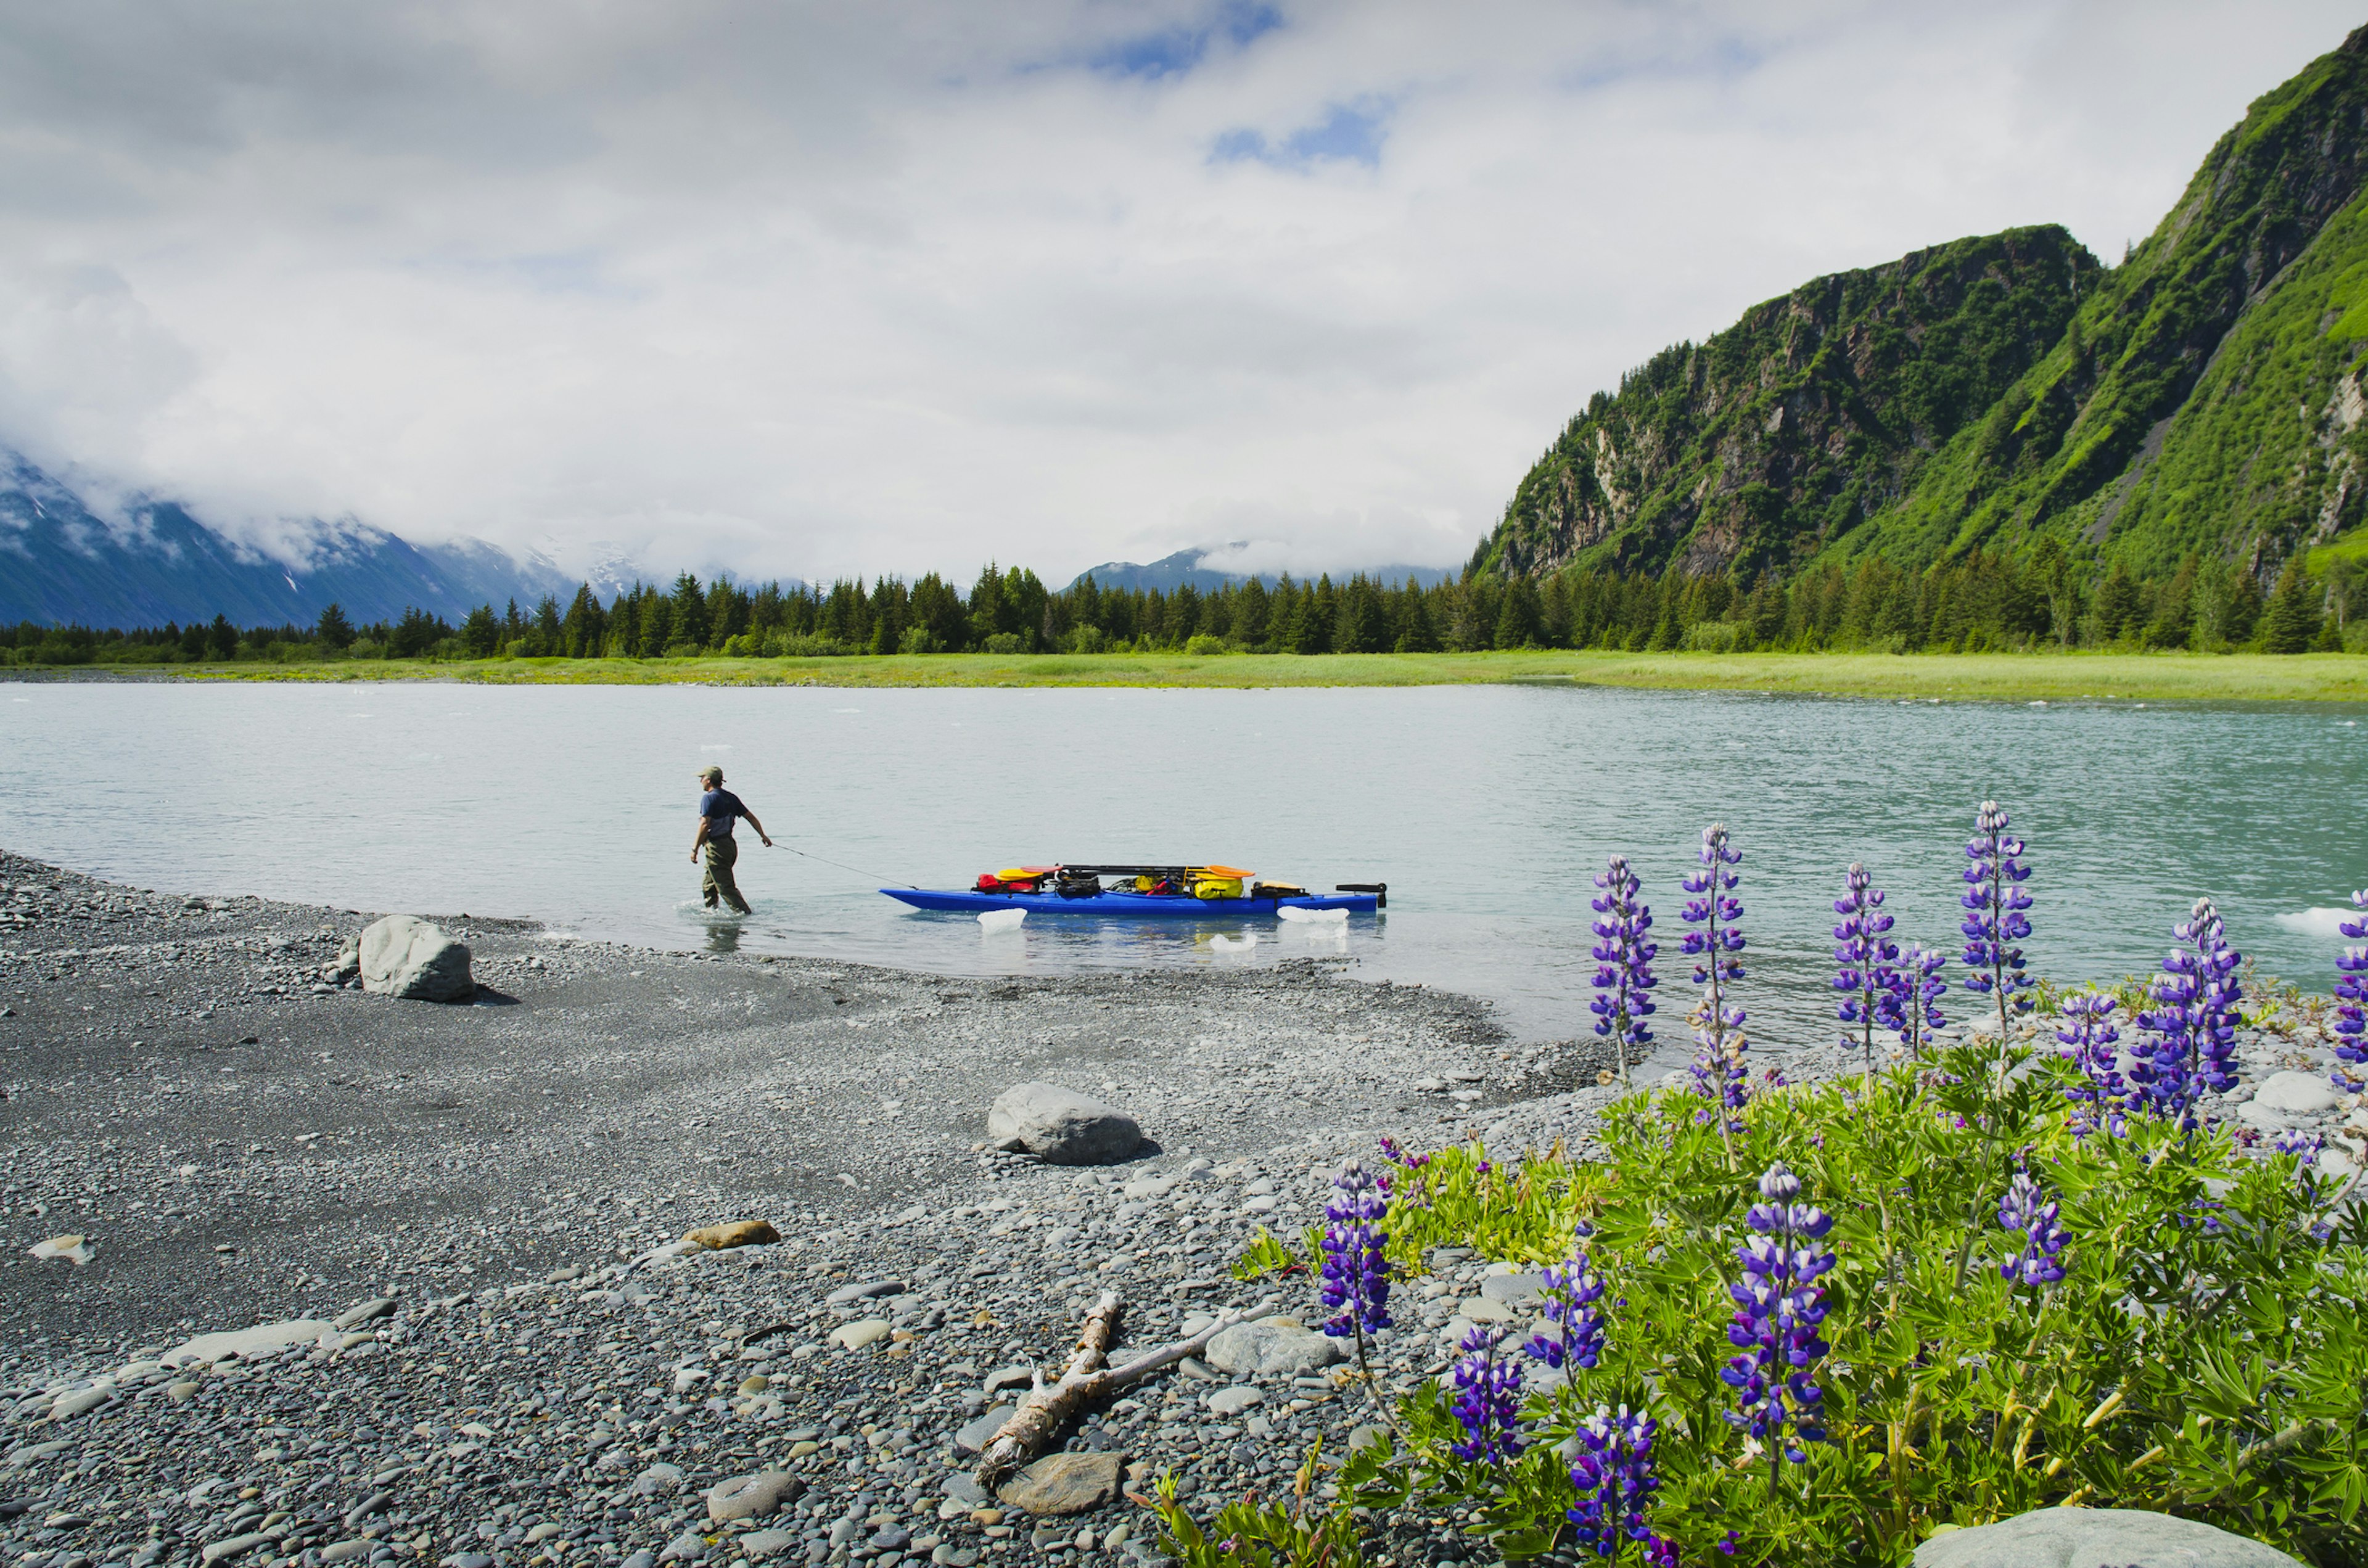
[2319,922]
[1312,916]
[996,920]
[1240,944]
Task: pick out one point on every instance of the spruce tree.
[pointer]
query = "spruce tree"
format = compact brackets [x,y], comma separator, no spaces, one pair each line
[1420,636]
[2294,613]
[2117,603]
[2174,609]
[1361,628]
[2242,612]
[334,628]
[1518,615]
[1312,631]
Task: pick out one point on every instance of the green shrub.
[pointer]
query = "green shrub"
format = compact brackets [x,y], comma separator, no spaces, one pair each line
[1716,637]
[792,645]
[1006,643]
[1200,644]
[2202,1356]
[1250,1534]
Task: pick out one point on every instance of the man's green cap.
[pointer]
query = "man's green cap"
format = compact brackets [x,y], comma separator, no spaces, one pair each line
[712,774]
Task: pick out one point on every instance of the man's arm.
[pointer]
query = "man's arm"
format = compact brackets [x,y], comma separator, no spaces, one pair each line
[755,823]
[698,841]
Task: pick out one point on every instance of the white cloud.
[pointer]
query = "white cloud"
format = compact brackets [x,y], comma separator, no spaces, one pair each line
[810,289]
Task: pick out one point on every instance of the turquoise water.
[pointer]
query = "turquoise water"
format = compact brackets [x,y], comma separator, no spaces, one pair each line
[1486,809]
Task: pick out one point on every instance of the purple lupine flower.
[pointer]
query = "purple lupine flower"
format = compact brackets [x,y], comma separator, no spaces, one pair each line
[1994,919]
[1779,1306]
[1623,958]
[1868,979]
[1488,1402]
[1571,1291]
[1614,1480]
[2022,1213]
[1915,992]
[1719,1072]
[1356,1274]
[2350,1074]
[2194,1021]
[2304,1147]
[2305,1144]
[2103,1095]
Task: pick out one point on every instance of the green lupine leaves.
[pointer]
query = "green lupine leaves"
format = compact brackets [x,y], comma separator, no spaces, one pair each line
[2201,1355]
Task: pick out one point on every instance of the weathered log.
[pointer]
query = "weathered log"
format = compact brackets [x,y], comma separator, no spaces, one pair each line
[1045,1409]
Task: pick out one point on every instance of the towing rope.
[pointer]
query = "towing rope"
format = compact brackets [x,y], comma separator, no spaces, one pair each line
[867,876]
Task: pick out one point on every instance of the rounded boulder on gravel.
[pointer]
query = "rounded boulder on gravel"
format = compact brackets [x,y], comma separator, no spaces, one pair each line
[1061,1127]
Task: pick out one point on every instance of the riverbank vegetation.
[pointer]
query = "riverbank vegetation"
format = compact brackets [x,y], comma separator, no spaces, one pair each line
[1980,604]
[2148,677]
[1820,1324]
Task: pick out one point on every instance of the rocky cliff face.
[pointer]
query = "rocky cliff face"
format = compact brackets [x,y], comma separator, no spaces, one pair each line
[1762,443]
[2198,397]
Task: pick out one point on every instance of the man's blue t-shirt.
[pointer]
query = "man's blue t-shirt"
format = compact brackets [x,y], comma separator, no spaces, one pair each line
[720,807]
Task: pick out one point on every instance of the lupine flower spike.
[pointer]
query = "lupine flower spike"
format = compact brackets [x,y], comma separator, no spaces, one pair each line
[1994,919]
[1779,1306]
[1916,988]
[1614,1480]
[2192,1024]
[1571,1291]
[1868,978]
[1624,959]
[2352,1004]
[1719,1072]
[2021,1212]
[1356,1273]
[2101,1099]
[1488,1402]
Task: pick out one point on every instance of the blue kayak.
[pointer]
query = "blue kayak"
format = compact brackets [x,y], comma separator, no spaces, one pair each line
[1111,904]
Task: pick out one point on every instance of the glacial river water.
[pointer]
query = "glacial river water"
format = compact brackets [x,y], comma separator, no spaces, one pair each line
[1486,810]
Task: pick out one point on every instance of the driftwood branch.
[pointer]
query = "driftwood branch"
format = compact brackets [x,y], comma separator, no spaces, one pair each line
[1046,1408]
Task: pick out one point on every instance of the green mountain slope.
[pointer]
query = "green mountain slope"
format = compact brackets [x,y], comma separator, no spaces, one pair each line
[2201,396]
[1759,444]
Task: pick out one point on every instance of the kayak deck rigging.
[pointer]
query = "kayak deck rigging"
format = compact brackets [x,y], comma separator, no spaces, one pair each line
[1187,892]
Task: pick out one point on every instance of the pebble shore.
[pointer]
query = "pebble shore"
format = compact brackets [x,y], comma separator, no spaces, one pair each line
[372,1281]
[492,1347]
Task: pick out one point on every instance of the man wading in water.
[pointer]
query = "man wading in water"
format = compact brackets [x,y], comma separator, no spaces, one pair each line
[717,808]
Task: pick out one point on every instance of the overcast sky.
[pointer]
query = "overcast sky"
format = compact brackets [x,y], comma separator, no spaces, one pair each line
[903,285]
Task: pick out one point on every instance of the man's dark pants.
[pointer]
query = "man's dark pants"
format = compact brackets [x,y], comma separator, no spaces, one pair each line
[722,853]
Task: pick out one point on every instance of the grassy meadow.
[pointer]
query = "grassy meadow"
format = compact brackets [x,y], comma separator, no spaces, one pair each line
[2308,677]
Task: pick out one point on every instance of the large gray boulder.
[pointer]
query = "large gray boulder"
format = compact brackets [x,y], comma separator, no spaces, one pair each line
[1271,1347]
[1060,1126]
[2296,1093]
[2097,1538]
[405,956]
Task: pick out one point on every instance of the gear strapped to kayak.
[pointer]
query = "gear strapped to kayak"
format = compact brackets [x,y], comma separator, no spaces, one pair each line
[1185,892]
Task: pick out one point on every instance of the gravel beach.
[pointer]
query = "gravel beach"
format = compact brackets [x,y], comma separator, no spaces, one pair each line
[369,1280]
[466,1220]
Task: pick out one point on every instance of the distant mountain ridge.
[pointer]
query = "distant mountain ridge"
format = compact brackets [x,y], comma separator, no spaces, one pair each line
[61,564]
[1170,573]
[2006,391]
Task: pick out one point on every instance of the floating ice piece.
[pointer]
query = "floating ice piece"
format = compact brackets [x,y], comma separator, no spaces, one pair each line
[1240,944]
[1312,916]
[1002,919]
[2317,922]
